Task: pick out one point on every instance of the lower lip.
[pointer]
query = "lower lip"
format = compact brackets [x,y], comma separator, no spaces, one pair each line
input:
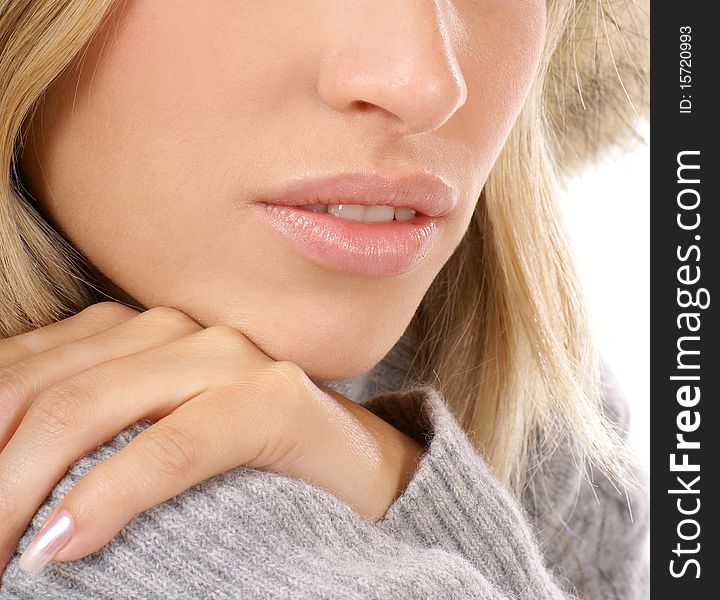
[353,247]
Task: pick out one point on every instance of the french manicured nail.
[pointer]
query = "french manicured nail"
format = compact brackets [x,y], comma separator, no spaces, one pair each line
[52,537]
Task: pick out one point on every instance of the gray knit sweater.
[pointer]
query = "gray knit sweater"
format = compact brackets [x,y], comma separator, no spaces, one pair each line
[455,532]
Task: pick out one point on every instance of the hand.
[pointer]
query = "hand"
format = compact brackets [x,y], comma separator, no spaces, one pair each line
[216,402]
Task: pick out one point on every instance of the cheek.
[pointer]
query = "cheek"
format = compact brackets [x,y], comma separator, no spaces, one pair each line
[152,121]
[501,51]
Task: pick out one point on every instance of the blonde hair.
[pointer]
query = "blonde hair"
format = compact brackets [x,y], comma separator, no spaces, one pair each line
[503,330]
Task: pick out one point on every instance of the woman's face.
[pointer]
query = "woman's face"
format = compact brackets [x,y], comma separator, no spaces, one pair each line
[151,150]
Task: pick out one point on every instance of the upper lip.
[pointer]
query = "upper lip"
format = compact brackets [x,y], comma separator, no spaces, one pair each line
[425,194]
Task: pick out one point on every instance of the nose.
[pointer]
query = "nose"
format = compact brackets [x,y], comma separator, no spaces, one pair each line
[393,59]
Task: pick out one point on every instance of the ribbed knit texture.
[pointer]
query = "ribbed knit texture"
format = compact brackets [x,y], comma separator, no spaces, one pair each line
[455,532]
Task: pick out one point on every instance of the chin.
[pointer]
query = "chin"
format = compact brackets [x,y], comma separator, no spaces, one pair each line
[337,364]
[331,336]
[333,358]
[320,372]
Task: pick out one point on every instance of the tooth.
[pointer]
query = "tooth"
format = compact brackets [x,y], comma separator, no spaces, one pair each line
[360,212]
[353,212]
[318,208]
[376,214]
[402,213]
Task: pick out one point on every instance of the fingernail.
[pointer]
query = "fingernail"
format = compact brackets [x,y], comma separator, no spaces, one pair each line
[52,537]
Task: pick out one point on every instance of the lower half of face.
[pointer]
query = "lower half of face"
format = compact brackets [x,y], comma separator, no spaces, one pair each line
[154,148]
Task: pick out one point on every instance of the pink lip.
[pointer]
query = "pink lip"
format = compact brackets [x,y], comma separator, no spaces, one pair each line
[357,248]
[423,193]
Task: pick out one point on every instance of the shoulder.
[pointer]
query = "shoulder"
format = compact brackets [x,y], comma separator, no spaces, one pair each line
[590,530]
[243,532]
[553,484]
[615,403]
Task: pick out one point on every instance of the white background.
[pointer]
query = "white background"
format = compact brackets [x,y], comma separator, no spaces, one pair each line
[607,212]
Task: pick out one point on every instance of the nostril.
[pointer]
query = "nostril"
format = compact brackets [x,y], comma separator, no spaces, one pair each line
[369,109]
[362,105]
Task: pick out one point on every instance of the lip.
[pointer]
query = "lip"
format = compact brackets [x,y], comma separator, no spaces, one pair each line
[354,247]
[423,193]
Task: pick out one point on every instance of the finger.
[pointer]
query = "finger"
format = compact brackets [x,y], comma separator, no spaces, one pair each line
[207,435]
[22,381]
[92,319]
[67,420]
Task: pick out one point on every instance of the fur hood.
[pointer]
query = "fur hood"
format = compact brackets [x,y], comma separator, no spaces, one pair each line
[598,81]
